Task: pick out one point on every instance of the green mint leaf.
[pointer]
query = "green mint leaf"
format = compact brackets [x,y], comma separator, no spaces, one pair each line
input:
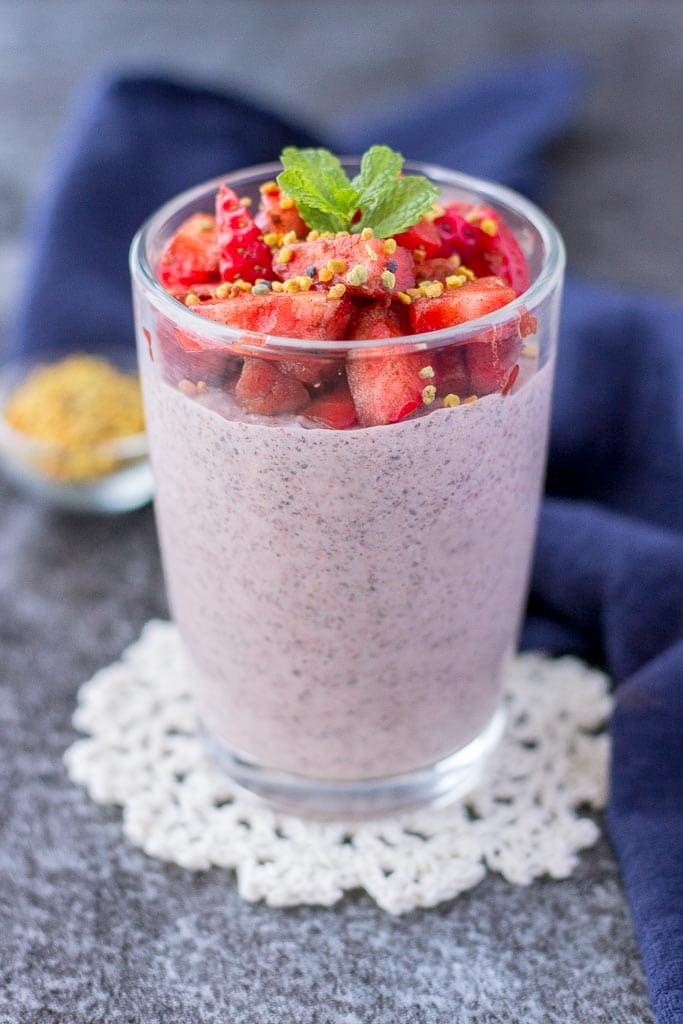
[409,199]
[316,182]
[379,169]
[328,201]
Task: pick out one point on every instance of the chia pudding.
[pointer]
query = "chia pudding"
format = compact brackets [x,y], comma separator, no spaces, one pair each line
[348,426]
[348,596]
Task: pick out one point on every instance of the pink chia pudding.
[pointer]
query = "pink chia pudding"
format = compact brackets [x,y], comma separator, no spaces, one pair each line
[349,597]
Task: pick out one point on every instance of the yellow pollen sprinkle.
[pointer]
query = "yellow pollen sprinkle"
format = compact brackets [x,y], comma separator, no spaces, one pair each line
[243,286]
[436,211]
[367,233]
[289,238]
[207,225]
[305,283]
[269,186]
[272,238]
[336,291]
[285,256]
[404,298]
[489,227]
[336,266]
[455,280]
[469,274]
[191,299]
[389,246]
[358,275]
[414,293]
[426,373]
[428,394]
[292,285]
[419,255]
[286,203]
[313,236]
[224,290]
[370,251]
[277,286]
[454,261]
[201,385]
[469,401]
[433,289]
[450,401]
[388,279]
[246,200]
[530,350]
[187,387]
[343,234]
[325,275]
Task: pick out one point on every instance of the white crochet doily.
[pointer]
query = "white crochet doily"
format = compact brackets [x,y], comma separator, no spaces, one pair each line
[145,753]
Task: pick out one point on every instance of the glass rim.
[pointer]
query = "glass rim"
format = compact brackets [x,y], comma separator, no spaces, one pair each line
[224,335]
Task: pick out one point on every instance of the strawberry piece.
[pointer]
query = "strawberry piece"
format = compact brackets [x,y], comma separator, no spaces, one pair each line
[376,320]
[191,257]
[334,408]
[263,389]
[457,234]
[423,235]
[457,305]
[493,251]
[437,269]
[242,252]
[309,315]
[385,388]
[272,216]
[500,253]
[313,372]
[183,358]
[490,360]
[451,376]
[365,264]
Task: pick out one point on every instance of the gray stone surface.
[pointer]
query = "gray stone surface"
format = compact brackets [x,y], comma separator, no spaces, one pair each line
[90,929]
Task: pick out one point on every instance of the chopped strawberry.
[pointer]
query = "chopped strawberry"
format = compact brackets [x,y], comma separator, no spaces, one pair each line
[334,408]
[385,388]
[424,235]
[500,253]
[457,234]
[310,315]
[243,254]
[312,371]
[484,243]
[275,214]
[368,270]
[490,359]
[451,376]
[437,269]
[376,320]
[263,389]
[457,305]
[191,257]
[183,358]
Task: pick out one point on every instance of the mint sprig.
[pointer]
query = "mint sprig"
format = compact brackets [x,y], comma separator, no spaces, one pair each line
[328,201]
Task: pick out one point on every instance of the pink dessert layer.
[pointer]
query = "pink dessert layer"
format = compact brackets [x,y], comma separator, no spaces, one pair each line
[348,597]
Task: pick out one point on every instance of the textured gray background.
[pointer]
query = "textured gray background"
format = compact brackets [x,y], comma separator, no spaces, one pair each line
[92,931]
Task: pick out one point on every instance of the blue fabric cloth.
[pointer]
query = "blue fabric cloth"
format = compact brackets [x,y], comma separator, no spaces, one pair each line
[608,576]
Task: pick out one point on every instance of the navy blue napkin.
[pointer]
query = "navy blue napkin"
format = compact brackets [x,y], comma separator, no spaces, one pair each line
[608,575]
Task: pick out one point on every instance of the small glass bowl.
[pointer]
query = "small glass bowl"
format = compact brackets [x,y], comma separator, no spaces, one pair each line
[123,480]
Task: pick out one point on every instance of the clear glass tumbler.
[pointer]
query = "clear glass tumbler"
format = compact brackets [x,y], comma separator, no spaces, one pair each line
[348,598]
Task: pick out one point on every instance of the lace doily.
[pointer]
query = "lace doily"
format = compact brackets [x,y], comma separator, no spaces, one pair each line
[145,754]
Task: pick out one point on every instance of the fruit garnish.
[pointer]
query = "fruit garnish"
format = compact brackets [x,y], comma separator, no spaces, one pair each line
[243,253]
[378,197]
[191,256]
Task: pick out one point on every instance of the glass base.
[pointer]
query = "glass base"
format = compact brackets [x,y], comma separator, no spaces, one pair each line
[434,786]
